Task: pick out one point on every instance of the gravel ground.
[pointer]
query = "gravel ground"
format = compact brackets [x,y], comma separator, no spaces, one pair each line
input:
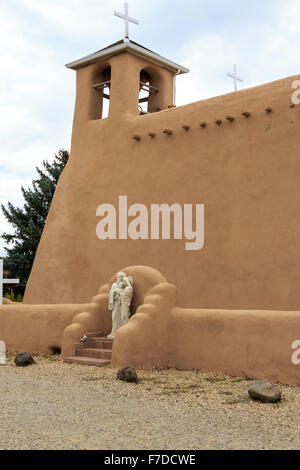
[53,405]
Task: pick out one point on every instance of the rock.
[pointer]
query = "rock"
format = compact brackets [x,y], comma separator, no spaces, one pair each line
[265,392]
[24,359]
[127,374]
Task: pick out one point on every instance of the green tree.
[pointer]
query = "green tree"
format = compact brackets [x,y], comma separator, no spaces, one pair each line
[28,222]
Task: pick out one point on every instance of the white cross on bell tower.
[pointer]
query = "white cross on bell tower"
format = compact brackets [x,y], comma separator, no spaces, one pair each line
[127,20]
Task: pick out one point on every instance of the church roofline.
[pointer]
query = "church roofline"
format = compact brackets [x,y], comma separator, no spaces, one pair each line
[134,48]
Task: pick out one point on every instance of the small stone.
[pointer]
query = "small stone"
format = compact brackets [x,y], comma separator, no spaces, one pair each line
[265,392]
[24,360]
[127,374]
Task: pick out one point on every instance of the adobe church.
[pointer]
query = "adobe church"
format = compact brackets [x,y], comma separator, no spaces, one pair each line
[231,304]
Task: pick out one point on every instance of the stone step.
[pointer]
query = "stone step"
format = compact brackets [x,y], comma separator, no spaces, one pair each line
[98,343]
[94,352]
[98,334]
[87,361]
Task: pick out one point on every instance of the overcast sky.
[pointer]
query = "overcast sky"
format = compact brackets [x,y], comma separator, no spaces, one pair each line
[38,37]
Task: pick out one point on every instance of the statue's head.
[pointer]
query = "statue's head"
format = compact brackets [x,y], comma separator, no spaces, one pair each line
[121,276]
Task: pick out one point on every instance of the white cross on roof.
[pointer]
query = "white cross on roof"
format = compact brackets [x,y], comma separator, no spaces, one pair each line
[127,19]
[235,77]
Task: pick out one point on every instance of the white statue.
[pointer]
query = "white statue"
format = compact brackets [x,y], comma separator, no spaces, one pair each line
[120,298]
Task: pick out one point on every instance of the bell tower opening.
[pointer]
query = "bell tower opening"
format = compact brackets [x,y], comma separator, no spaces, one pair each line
[147,92]
[102,87]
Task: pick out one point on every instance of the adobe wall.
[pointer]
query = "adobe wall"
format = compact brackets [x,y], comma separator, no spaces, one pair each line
[162,334]
[39,328]
[246,172]
[36,328]
[256,344]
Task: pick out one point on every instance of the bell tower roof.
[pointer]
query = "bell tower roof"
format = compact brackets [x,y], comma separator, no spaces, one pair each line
[126,45]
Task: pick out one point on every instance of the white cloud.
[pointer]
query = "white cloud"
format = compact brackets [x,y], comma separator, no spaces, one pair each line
[289,17]
[88,18]
[71,17]
[270,56]
[36,97]
[10,190]
[208,59]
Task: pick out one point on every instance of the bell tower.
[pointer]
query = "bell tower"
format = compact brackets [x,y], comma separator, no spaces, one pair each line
[124,78]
